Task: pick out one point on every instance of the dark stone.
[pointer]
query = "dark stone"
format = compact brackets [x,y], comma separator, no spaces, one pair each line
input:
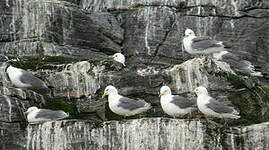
[38,29]
[13,136]
[66,43]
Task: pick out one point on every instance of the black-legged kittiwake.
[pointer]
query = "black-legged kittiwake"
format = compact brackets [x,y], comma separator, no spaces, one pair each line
[175,105]
[123,105]
[35,115]
[24,79]
[211,107]
[119,57]
[237,64]
[201,45]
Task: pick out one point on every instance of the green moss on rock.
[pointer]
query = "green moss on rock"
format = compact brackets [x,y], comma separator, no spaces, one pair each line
[31,64]
[61,104]
[253,104]
[236,81]
[59,60]
[251,99]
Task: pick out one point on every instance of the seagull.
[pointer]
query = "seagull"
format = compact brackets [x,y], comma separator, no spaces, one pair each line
[211,107]
[35,115]
[119,57]
[24,79]
[175,105]
[201,45]
[123,105]
[237,64]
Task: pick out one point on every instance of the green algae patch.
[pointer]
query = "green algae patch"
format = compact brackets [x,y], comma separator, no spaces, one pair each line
[249,97]
[29,64]
[61,104]
[60,60]
[236,81]
[253,105]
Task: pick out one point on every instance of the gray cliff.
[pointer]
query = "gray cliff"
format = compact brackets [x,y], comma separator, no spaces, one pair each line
[66,44]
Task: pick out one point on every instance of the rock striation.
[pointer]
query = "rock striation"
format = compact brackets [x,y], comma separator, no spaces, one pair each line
[66,44]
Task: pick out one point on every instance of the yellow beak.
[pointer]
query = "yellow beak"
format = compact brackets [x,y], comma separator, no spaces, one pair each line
[185,36]
[25,113]
[192,92]
[111,57]
[160,95]
[104,95]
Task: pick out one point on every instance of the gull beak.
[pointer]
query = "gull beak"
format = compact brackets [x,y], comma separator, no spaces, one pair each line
[111,57]
[160,95]
[192,92]
[185,36]
[104,95]
[25,113]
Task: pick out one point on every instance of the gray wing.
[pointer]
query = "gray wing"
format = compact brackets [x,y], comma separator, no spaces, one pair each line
[130,104]
[219,107]
[233,60]
[201,43]
[29,78]
[182,102]
[230,56]
[238,64]
[50,114]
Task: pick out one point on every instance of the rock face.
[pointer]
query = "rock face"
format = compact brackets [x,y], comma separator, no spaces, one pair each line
[36,29]
[152,133]
[66,44]
[157,133]
[249,137]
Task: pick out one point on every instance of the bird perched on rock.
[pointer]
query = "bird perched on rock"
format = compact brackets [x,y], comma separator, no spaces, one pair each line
[175,105]
[237,64]
[123,105]
[119,57]
[24,79]
[201,45]
[35,115]
[211,107]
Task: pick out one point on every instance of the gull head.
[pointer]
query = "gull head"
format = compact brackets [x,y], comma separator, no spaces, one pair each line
[119,57]
[31,109]
[189,33]
[110,90]
[165,90]
[201,91]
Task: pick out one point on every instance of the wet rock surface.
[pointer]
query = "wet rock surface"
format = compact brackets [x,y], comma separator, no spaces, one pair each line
[150,133]
[66,44]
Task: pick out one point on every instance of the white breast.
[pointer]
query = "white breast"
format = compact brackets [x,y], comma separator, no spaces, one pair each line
[113,102]
[171,109]
[187,44]
[31,116]
[202,100]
